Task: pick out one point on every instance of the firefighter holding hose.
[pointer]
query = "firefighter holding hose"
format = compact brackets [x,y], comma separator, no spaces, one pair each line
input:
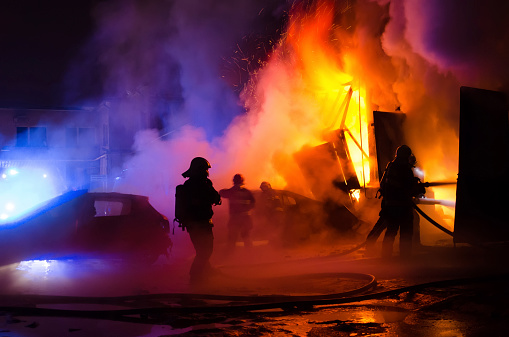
[398,187]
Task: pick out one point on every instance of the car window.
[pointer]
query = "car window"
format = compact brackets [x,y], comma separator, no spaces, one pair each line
[289,201]
[111,208]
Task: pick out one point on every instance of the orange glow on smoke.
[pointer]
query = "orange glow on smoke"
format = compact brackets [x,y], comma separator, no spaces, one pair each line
[339,95]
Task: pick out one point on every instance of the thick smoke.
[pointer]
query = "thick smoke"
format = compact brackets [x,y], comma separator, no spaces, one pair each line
[409,55]
[462,37]
[249,115]
[183,52]
[176,51]
[436,47]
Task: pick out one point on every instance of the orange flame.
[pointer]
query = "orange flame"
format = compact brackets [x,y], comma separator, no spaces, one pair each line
[339,95]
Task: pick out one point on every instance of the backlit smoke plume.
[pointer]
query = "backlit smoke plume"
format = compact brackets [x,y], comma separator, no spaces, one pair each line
[411,55]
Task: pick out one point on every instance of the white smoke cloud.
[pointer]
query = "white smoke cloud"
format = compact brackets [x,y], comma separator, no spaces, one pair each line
[179,48]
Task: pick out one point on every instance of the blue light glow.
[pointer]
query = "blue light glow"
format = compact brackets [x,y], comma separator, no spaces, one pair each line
[23,188]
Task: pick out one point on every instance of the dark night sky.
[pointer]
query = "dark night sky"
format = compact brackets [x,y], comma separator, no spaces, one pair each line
[41,42]
[39,39]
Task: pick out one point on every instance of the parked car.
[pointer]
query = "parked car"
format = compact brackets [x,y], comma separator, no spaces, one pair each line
[80,223]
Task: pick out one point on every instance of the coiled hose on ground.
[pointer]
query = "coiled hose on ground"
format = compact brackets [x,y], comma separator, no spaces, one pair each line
[142,312]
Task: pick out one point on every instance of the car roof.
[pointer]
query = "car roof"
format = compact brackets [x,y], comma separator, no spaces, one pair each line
[117,195]
[69,196]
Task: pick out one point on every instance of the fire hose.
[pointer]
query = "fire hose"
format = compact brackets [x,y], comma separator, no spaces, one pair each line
[379,230]
[427,217]
[171,303]
[161,313]
[433,222]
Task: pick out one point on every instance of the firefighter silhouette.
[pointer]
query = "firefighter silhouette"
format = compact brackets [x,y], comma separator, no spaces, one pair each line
[241,202]
[398,187]
[271,212]
[196,199]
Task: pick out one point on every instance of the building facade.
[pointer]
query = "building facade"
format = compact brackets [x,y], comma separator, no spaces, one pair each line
[71,145]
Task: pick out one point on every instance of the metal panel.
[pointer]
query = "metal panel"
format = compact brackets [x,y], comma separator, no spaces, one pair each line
[388,136]
[481,196]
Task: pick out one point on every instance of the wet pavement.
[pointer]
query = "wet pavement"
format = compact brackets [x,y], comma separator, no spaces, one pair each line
[442,291]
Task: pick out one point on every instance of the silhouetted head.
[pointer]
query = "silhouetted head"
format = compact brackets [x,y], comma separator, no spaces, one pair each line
[404,152]
[265,186]
[199,166]
[238,179]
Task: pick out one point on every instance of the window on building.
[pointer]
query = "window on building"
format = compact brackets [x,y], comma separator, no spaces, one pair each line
[38,136]
[31,136]
[86,137]
[83,137]
[21,136]
[71,137]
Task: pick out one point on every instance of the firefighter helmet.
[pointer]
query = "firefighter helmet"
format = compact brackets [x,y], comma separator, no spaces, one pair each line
[238,179]
[198,165]
[264,186]
[404,152]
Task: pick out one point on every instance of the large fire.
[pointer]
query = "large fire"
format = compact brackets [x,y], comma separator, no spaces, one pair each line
[324,72]
[334,65]
[318,81]
[305,92]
